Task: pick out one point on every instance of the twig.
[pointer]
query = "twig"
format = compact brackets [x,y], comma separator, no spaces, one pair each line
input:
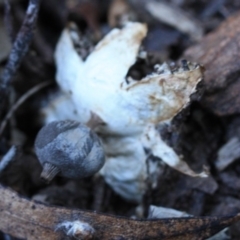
[20,101]
[19,49]
[21,44]
[7,158]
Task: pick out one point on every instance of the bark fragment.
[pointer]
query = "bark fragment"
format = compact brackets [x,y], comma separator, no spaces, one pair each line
[219,53]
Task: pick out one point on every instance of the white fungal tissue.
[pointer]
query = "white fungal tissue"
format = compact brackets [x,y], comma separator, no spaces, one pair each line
[127,110]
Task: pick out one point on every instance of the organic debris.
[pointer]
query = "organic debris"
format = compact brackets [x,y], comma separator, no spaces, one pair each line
[201,130]
[32,220]
[178,19]
[221,80]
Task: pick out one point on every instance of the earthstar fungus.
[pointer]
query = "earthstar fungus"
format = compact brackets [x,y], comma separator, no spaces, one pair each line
[129,110]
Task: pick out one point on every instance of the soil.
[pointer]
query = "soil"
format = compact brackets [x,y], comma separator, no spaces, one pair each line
[209,122]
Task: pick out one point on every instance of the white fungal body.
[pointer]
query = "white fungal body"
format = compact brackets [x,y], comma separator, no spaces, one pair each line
[130,110]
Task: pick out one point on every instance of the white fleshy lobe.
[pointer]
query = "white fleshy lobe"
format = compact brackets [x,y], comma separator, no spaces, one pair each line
[114,55]
[129,111]
[69,69]
[152,140]
[164,95]
[125,170]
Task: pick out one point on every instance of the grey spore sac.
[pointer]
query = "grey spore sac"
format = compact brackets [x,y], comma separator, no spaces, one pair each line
[70,149]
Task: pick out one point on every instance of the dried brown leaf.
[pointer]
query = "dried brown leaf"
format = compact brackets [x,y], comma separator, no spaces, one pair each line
[119,9]
[179,19]
[30,220]
[89,11]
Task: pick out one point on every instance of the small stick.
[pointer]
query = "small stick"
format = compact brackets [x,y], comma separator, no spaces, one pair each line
[7,158]
[21,44]
[20,101]
[19,49]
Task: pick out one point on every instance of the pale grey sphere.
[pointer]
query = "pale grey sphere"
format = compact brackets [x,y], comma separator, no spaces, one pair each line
[72,148]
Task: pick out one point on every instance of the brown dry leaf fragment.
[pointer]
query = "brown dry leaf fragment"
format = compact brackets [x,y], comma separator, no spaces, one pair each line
[175,17]
[207,185]
[30,220]
[119,12]
[219,52]
[89,11]
[228,153]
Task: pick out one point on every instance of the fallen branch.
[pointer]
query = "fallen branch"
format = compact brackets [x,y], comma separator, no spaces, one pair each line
[30,220]
[8,158]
